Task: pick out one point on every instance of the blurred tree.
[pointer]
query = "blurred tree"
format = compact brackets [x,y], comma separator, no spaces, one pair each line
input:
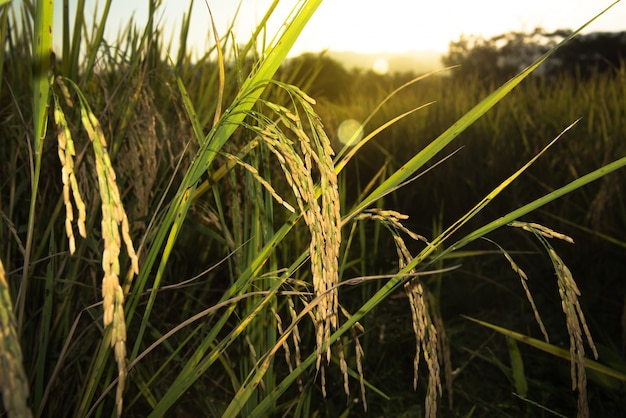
[594,53]
[500,57]
[318,75]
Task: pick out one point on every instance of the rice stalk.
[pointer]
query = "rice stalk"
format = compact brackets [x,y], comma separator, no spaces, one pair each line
[524,280]
[255,173]
[279,328]
[139,149]
[359,360]
[296,139]
[295,335]
[313,155]
[443,351]
[539,229]
[576,326]
[359,354]
[392,220]
[113,216]
[114,221]
[575,319]
[13,379]
[67,153]
[435,301]
[295,339]
[343,366]
[426,340]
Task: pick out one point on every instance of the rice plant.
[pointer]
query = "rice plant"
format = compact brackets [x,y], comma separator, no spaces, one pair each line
[216,245]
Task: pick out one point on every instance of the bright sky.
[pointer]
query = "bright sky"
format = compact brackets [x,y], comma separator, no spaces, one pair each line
[372,26]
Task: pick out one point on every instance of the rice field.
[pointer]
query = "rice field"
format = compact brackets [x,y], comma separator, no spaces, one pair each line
[191,238]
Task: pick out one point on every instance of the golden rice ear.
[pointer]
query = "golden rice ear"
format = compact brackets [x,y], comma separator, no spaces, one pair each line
[529,296]
[576,327]
[67,153]
[296,339]
[114,221]
[266,184]
[311,153]
[359,354]
[541,230]
[13,379]
[426,340]
[575,319]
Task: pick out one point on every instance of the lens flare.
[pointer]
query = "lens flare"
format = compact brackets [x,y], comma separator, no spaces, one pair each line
[350,132]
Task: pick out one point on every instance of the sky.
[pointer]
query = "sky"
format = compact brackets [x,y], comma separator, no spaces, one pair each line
[375,26]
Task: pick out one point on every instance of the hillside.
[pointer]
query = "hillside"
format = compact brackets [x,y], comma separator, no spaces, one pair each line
[415,61]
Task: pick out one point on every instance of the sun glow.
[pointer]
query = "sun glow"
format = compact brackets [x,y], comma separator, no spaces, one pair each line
[368,26]
[372,27]
[381,66]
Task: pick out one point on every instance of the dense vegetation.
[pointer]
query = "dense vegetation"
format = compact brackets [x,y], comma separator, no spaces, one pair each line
[190,238]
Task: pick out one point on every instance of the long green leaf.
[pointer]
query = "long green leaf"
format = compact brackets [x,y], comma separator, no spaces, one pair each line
[439,240]
[551,349]
[536,204]
[42,62]
[94,47]
[517,368]
[4,28]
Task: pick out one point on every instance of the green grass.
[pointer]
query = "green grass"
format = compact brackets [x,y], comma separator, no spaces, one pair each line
[229,263]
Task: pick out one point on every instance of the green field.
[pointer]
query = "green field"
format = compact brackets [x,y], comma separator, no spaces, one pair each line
[190,238]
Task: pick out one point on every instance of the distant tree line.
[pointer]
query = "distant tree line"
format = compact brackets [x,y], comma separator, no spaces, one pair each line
[498,58]
[318,75]
[485,60]
[326,78]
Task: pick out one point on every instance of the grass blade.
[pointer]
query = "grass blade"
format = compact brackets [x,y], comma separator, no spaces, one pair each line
[517,367]
[536,204]
[42,57]
[551,349]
